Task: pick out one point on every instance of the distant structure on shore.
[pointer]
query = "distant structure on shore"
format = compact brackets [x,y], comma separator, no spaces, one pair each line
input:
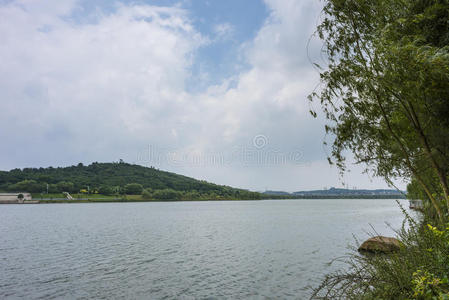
[16,198]
[416,204]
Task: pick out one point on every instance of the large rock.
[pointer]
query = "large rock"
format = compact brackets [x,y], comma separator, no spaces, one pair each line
[380,244]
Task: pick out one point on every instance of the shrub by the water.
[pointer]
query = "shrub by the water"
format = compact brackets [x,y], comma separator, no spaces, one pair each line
[167,194]
[147,194]
[419,270]
[133,189]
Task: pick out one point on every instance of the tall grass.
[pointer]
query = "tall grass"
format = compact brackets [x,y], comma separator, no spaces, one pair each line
[419,270]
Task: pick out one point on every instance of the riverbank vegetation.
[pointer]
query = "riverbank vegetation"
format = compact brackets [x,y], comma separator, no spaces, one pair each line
[115,181]
[126,182]
[385,93]
[419,270]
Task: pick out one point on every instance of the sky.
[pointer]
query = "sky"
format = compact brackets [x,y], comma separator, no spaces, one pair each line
[216,90]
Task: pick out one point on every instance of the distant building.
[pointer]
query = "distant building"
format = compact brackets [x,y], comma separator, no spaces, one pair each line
[6,198]
[416,204]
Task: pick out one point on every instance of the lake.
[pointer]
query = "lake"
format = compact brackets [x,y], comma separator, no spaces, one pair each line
[183,250]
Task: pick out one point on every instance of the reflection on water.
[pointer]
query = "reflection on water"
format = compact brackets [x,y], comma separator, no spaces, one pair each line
[245,249]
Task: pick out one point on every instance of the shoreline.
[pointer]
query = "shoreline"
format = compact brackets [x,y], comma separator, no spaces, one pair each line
[61,201]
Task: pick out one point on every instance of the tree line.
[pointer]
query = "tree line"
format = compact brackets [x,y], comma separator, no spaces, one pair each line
[117,179]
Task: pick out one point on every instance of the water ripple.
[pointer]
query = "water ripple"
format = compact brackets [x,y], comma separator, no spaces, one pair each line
[196,250]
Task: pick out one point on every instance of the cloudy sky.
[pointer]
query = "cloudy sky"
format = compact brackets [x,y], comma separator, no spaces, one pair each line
[211,89]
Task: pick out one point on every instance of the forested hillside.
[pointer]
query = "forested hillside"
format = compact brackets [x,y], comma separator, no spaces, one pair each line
[114,178]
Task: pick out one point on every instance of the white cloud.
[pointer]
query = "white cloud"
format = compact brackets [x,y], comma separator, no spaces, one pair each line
[91,85]
[105,89]
[223,31]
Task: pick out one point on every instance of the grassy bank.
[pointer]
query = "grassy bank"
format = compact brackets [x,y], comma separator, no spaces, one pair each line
[419,270]
[83,198]
[75,196]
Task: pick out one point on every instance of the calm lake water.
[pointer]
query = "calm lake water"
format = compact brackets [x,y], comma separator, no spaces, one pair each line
[183,250]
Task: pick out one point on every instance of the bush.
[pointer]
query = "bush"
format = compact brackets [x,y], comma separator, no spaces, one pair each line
[65,186]
[427,286]
[418,271]
[30,186]
[53,188]
[167,194]
[147,194]
[105,190]
[133,189]
[192,195]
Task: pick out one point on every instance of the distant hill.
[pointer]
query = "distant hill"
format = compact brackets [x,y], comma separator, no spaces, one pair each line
[341,193]
[124,178]
[338,191]
[109,176]
[280,193]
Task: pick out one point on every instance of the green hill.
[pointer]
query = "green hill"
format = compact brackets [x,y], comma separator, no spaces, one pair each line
[116,178]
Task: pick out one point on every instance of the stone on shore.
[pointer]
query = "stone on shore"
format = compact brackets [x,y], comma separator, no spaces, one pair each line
[380,244]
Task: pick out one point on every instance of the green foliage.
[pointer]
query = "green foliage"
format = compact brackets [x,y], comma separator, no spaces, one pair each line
[418,271]
[53,188]
[105,190]
[415,191]
[66,186]
[386,87]
[31,186]
[117,178]
[426,285]
[147,194]
[133,189]
[385,94]
[429,287]
[167,194]
[172,195]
